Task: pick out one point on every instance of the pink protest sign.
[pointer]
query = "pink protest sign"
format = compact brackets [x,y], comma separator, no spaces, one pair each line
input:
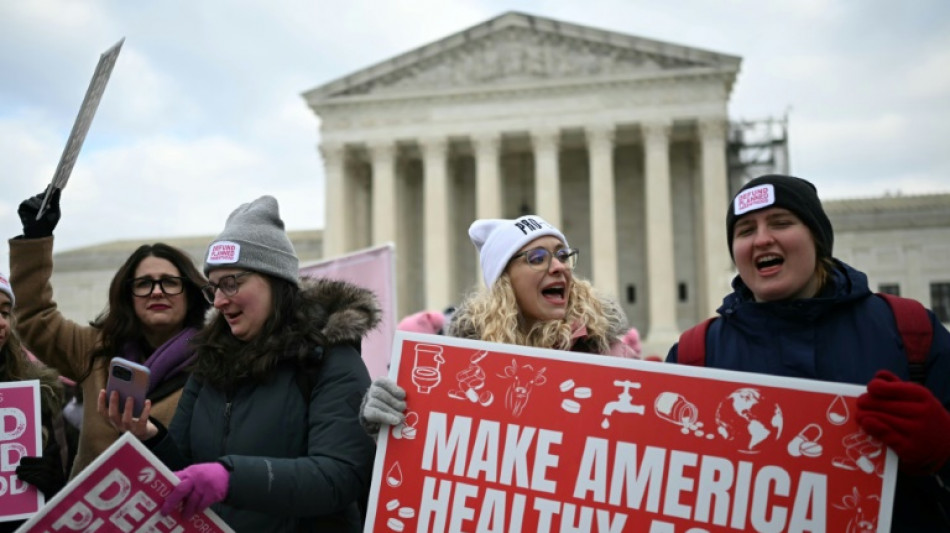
[122,490]
[20,436]
[510,439]
[372,269]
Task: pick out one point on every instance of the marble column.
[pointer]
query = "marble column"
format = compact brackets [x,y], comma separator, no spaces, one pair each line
[335,229]
[488,191]
[661,269]
[383,158]
[603,231]
[547,180]
[715,277]
[436,224]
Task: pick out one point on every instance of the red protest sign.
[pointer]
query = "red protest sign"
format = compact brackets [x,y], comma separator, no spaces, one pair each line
[20,436]
[122,490]
[508,439]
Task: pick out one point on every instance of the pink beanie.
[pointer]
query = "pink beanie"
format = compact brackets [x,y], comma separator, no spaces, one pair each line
[5,287]
[423,322]
[632,339]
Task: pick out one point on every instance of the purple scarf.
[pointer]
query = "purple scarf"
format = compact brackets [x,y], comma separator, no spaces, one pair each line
[168,360]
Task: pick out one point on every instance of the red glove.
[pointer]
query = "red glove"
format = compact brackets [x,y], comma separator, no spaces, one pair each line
[201,486]
[909,419]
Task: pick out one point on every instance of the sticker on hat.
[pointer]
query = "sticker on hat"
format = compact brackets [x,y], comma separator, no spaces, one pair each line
[223,253]
[754,198]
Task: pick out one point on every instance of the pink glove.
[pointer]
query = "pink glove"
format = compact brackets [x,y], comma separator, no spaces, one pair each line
[908,418]
[201,486]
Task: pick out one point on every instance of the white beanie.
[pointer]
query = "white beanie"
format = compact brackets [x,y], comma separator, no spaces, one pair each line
[499,239]
[254,239]
[5,287]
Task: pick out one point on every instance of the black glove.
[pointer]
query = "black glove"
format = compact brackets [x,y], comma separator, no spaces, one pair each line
[45,473]
[37,229]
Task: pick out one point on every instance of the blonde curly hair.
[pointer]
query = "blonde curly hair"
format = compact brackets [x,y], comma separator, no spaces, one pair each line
[492,314]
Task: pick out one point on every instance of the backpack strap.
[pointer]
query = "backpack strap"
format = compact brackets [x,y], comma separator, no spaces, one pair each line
[692,345]
[916,332]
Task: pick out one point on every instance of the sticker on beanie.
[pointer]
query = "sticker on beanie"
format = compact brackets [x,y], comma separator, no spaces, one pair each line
[754,198]
[223,253]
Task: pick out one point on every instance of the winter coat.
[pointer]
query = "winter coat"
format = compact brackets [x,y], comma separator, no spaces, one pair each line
[295,465]
[845,334]
[583,341]
[67,346]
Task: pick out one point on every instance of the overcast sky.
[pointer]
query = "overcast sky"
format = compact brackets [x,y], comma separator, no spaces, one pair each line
[204,108]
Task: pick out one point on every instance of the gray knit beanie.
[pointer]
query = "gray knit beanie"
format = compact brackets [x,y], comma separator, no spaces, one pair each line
[254,239]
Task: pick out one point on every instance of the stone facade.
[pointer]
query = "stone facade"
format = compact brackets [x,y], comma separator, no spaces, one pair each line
[901,242]
[617,140]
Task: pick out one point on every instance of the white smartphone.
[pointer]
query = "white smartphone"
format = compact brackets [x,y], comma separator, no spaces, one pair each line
[129,380]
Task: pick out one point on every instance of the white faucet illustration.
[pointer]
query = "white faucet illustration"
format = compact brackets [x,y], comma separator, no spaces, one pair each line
[624,401]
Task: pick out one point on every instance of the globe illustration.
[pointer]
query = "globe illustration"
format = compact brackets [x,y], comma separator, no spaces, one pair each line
[750,419]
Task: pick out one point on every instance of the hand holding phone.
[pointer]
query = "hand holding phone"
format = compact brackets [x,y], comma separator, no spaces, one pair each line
[130,380]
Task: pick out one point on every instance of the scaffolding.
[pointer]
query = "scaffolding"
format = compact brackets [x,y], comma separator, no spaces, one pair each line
[756,147]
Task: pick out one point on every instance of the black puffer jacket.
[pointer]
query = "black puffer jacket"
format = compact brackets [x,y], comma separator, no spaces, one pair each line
[295,467]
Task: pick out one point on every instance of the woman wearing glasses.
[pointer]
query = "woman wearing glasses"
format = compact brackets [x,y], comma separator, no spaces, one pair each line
[530,298]
[267,431]
[154,308]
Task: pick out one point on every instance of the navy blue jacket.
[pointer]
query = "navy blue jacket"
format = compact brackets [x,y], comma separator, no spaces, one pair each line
[846,335]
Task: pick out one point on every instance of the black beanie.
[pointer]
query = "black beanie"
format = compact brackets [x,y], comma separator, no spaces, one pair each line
[795,194]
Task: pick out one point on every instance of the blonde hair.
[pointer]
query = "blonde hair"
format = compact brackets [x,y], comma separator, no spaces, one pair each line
[493,315]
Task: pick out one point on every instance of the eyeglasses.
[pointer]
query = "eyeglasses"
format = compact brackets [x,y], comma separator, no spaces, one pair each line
[228,284]
[540,258]
[170,285]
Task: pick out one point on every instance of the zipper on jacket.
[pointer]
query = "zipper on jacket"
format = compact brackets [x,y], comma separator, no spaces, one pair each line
[229,396]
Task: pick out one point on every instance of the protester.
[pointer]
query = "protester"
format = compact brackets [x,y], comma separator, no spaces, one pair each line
[154,308]
[797,311]
[47,472]
[530,298]
[267,431]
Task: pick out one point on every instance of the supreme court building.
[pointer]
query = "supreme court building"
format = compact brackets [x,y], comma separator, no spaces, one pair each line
[619,141]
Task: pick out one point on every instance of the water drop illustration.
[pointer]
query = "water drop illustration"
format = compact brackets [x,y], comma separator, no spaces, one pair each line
[394,476]
[838,411]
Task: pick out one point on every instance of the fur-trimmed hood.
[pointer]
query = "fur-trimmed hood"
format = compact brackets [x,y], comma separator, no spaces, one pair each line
[352,311]
[616,323]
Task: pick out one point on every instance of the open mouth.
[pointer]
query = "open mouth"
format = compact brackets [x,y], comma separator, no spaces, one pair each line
[767,261]
[556,292]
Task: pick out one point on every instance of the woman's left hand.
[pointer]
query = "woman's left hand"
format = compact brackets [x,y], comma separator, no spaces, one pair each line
[139,426]
[908,418]
[202,485]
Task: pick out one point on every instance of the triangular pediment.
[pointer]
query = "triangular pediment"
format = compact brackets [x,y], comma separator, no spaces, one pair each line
[515,48]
